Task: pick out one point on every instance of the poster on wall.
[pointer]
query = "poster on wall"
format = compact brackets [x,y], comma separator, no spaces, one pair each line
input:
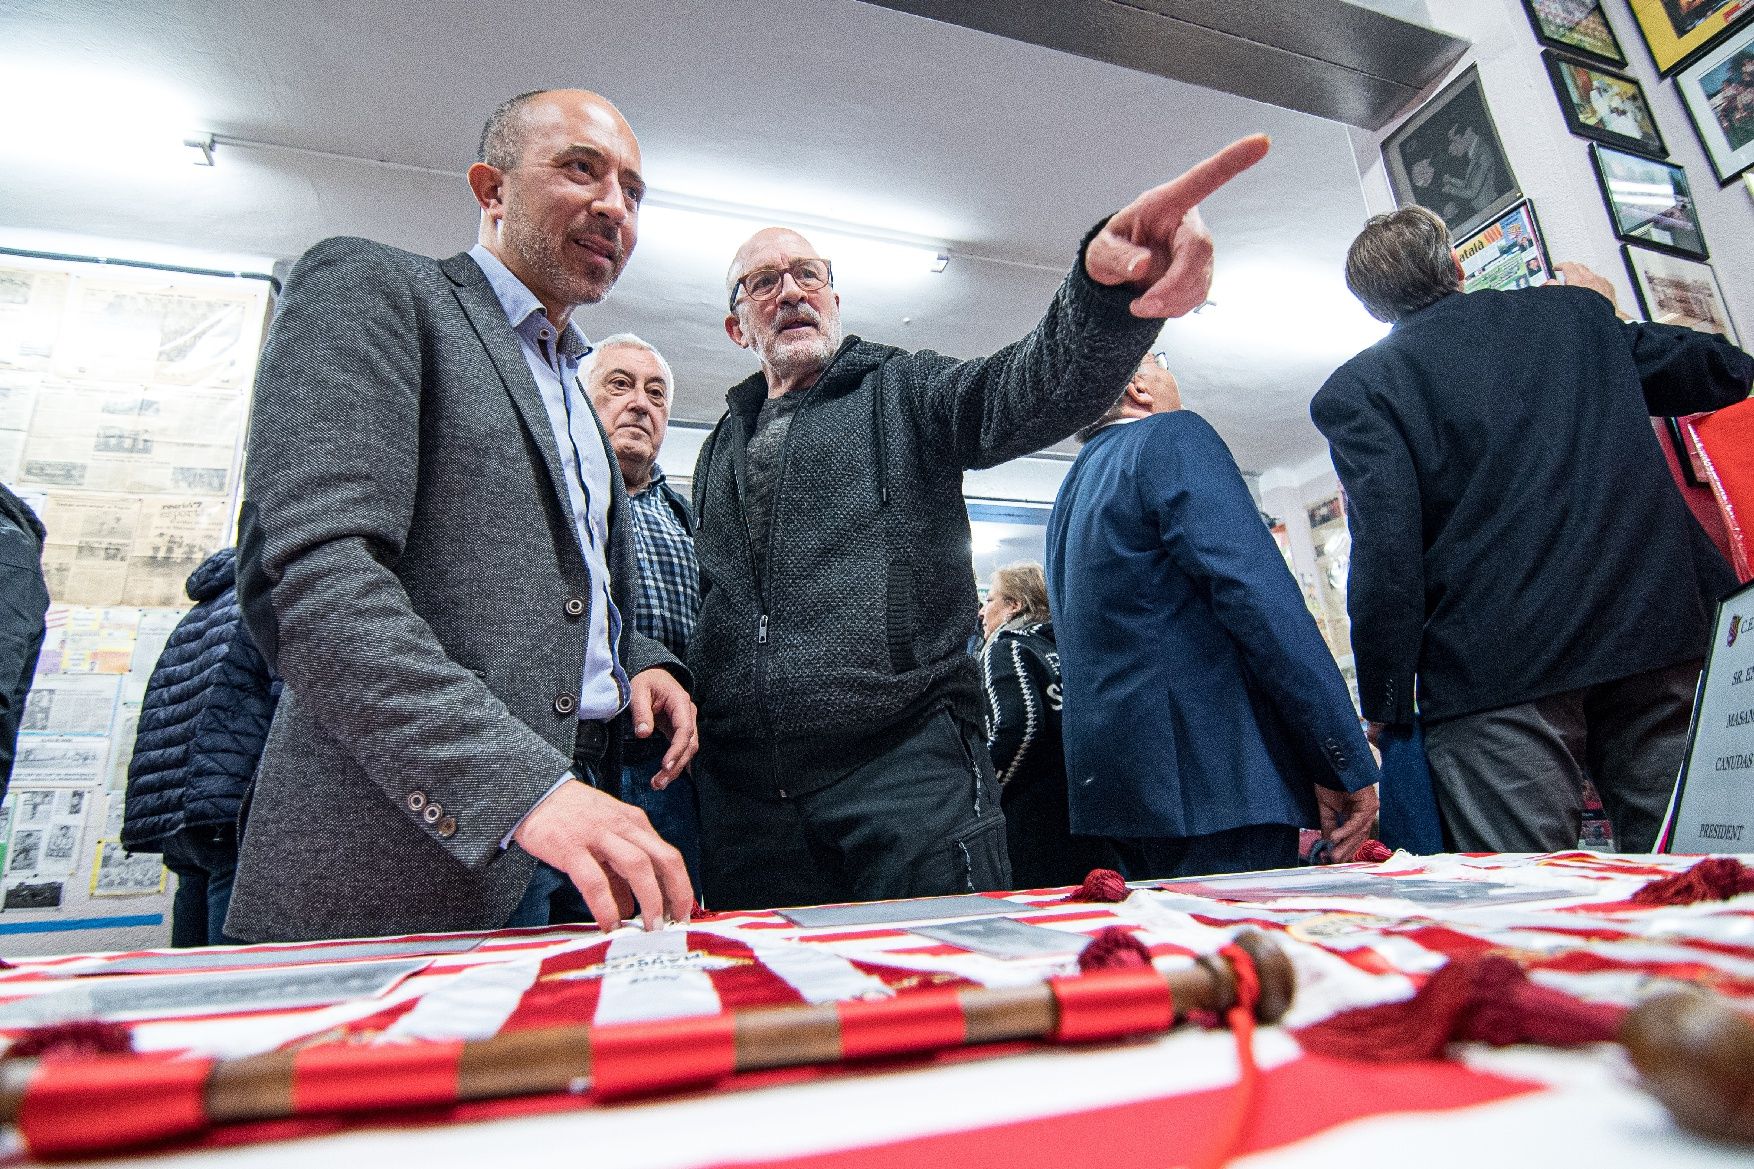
[1674,30]
[1507,254]
[1577,26]
[1673,290]
[1649,202]
[1718,91]
[116,872]
[1447,158]
[1604,106]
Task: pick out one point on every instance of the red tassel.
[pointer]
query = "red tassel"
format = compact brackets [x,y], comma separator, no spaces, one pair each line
[1484,999]
[1114,949]
[1100,885]
[1373,852]
[82,1037]
[1716,878]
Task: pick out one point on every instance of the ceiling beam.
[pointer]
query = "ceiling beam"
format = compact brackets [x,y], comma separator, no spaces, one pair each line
[1329,58]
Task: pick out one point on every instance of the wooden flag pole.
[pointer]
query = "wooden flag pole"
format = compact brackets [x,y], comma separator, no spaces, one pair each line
[88,1104]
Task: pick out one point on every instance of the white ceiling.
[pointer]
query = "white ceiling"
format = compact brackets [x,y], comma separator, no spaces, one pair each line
[836,109]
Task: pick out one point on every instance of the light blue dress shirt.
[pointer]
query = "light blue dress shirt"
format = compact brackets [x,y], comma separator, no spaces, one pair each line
[586,466]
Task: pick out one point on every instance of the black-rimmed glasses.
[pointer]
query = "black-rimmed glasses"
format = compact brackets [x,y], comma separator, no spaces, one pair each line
[764,283]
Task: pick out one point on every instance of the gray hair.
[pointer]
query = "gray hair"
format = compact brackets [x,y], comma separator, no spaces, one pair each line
[1401,262]
[588,371]
[502,138]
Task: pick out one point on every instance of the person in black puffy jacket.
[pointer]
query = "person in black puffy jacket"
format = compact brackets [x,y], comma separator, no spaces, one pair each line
[1020,671]
[24,599]
[203,724]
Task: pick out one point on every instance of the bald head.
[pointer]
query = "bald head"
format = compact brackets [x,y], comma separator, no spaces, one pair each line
[795,331]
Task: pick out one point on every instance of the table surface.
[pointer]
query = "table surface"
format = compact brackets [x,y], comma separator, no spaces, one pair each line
[1357,935]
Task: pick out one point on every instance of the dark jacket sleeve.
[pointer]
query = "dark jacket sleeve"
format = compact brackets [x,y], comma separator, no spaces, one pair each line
[24,599]
[1684,371]
[1385,590]
[331,482]
[1213,531]
[1034,392]
[1016,702]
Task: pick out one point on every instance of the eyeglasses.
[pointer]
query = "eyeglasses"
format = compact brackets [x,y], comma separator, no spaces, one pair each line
[764,283]
[1160,359]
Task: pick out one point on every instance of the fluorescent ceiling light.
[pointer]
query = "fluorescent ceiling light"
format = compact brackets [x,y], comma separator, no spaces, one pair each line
[1272,305]
[93,119]
[712,233]
[138,251]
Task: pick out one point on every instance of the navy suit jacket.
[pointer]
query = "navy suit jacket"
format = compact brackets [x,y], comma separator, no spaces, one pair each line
[1199,696]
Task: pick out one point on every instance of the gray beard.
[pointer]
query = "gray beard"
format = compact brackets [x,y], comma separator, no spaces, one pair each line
[801,361]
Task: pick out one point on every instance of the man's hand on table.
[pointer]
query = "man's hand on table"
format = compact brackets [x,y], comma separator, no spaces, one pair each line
[1158,244]
[1347,818]
[612,854]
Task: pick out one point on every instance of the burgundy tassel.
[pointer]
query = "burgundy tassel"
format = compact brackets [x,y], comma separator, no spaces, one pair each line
[1483,999]
[1100,885]
[1113,949]
[85,1037]
[1373,852]
[1716,878]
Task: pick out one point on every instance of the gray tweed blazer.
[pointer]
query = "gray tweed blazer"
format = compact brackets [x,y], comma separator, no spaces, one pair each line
[408,564]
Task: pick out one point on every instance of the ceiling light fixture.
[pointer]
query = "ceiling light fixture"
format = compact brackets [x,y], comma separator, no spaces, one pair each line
[202,145]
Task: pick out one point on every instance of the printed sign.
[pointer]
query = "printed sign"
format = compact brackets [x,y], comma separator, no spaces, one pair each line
[1713,806]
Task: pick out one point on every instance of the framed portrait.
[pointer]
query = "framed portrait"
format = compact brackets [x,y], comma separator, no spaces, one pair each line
[1674,30]
[1507,253]
[1673,290]
[1718,91]
[1604,106]
[1577,26]
[1447,158]
[1649,202]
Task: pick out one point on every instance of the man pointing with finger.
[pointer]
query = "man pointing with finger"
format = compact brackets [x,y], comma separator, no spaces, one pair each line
[840,713]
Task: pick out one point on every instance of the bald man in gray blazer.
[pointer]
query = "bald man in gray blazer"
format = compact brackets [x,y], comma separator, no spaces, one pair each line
[434,556]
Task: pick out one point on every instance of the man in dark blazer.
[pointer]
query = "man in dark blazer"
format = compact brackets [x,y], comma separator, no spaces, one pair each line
[1523,569]
[434,557]
[1205,722]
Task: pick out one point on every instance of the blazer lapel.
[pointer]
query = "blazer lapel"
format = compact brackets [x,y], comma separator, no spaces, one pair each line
[488,318]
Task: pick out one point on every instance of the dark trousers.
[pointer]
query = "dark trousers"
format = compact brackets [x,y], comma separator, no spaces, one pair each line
[1511,779]
[204,860]
[1248,849]
[920,820]
[1038,834]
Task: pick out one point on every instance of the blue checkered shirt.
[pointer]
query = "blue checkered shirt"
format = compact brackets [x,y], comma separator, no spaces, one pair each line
[669,574]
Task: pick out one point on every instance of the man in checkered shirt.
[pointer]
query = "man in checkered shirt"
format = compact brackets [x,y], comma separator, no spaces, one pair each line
[631,386]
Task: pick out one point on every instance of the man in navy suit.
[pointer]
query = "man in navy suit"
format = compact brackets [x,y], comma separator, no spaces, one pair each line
[1204,720]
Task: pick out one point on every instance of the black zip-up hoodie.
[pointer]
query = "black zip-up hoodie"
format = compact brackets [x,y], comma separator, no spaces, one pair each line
[24,599]
[858,627]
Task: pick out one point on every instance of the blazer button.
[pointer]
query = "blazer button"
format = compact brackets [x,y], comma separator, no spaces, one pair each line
[447,827]
[575,607]
[416,801]
[565,704]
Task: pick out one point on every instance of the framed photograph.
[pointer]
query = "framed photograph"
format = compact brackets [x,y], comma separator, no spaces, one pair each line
[1649,202]
[1577,26]
[1508,253]
[1674,30]
[1604,106]
[1676,291]
[1448,160]
[1718,91]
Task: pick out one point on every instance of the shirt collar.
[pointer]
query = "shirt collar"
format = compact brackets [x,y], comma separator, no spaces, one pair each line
[520,303]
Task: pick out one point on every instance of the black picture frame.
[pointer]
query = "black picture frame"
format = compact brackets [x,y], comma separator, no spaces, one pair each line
[1717,90]
[1683,456]
[1578,27]
[1594,100]
[1665,227]
[1675,39]
[1447,158]
[1677,290]
[1515,257]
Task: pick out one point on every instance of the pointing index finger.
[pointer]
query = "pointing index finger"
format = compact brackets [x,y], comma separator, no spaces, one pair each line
[1177,196]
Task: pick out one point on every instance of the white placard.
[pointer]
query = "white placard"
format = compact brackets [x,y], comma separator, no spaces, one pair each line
[1713,806]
